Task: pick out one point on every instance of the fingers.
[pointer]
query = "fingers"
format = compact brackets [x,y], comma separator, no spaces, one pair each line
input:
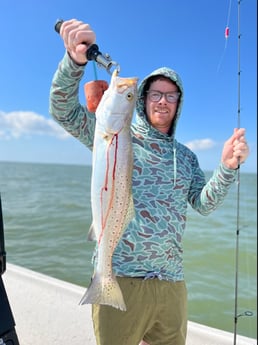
[240,146]
[75,32]
[241,151]
[235,149]
[77,37]
[238,133]
[239,140]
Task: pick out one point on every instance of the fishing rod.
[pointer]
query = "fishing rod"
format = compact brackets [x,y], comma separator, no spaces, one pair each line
[246,313]
[93,53]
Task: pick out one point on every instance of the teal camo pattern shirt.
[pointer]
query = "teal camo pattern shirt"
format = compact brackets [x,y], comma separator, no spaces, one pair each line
[166,178]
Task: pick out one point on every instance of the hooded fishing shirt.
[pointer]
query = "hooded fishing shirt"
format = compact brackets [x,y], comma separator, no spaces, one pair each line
[166,178]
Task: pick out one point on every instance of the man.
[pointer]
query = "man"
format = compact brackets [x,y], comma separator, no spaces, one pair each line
[148,260]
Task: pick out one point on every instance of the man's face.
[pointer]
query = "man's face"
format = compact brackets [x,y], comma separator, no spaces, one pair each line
[160,113]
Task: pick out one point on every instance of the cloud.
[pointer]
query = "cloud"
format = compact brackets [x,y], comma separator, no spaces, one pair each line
[200,144]
[17,124]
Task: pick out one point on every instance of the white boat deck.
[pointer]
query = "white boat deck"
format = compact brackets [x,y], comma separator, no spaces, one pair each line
[46,311]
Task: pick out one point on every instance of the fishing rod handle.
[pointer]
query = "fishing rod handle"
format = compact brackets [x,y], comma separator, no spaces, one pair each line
[93,53]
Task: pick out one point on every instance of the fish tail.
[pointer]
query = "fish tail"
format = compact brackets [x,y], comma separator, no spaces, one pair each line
[104,291]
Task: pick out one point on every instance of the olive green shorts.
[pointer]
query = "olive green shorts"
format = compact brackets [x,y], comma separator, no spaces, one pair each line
[156,312]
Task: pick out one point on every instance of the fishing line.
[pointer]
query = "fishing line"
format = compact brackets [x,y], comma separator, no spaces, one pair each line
[95,71]
[227,26]
[246,313]
[226,35]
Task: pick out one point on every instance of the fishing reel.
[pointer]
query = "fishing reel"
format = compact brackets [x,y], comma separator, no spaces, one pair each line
[93,53]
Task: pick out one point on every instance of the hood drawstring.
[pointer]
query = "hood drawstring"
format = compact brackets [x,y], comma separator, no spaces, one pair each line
[175,164]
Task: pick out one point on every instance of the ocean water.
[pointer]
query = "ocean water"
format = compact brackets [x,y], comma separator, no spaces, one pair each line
[47,215]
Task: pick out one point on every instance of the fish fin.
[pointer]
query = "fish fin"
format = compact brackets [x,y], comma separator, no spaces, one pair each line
[91,234]
[104,291]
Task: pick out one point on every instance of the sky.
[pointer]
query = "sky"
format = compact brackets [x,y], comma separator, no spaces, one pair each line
[219,74]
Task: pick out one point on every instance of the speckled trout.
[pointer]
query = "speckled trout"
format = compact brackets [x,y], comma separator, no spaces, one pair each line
[111,186]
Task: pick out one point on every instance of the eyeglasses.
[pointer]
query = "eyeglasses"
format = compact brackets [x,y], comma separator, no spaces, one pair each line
[171,97]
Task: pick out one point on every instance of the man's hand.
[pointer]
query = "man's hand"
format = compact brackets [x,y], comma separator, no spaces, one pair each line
[235,150]
[77,37]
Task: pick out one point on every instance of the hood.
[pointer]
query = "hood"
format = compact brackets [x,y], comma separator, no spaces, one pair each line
[140,107]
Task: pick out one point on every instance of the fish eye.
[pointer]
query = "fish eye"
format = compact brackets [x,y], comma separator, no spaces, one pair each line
[129,96]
